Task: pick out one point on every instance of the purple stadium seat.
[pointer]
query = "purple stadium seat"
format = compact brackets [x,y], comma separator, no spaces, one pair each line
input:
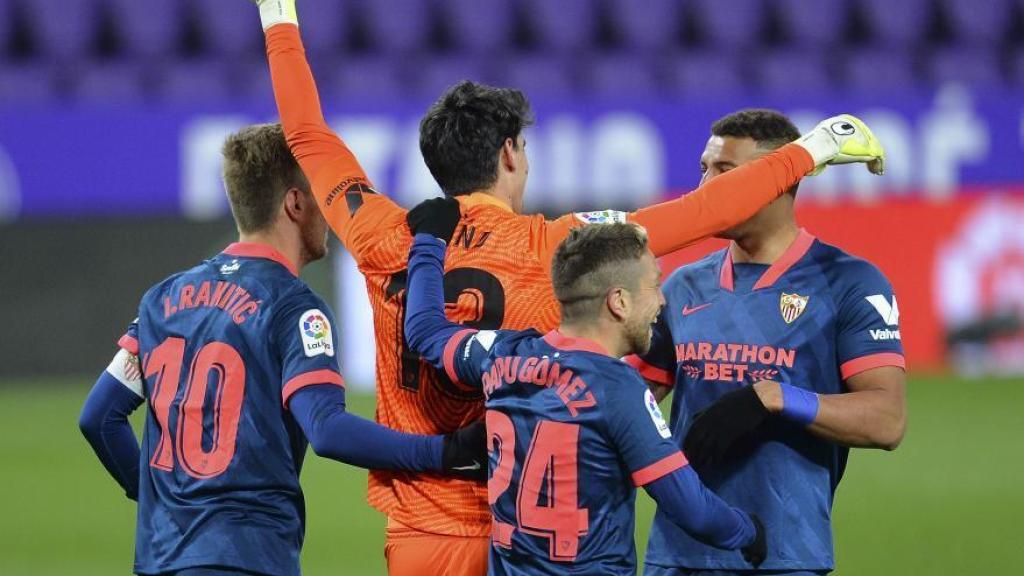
[813,23]
[194,81]
[538,76]
[1017,68]
[791,71]
[479,25]
[870,70]
[229,28]
[562,25]
[648,25]
[897,24]
[976,68]
[63,29]
[325,25]
[978,22]
[620,74]
[147,29]
[27,84]
[397,25]
[696,73]
[436,74]
[109,83]
[250,82]
[366,78]
[6,14]
[733,24]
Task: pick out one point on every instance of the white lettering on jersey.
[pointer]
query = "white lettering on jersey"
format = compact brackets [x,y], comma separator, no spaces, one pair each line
[655,410]
[890,313]
[885,334]
[602,217]
[315,330]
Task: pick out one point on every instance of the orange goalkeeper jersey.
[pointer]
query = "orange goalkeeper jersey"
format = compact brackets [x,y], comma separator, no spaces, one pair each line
[496,276]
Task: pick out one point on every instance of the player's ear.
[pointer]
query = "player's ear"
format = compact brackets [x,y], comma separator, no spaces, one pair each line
[294,205]
[617,301]
[508,156]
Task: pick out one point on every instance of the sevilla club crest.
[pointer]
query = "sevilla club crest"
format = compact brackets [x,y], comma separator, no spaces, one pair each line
[792,306]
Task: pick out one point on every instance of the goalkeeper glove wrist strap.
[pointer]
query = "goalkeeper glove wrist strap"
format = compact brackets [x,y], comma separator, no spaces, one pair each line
[274,12]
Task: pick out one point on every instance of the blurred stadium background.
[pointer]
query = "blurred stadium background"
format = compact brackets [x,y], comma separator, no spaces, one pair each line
[112,113]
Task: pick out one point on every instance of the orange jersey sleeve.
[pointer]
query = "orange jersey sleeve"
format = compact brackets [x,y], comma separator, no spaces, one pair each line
[339,183]
[716,206]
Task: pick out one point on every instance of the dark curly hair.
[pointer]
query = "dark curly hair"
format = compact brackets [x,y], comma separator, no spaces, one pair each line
[461,134]
[769,128]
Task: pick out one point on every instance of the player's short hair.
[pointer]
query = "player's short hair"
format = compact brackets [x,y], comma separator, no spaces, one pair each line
[592,260]
[771,129]
[462,133]
[258,170]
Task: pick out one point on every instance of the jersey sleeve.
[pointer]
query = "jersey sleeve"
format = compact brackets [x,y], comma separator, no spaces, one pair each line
[717,205]
[354,210]
[466,353]
[639,431]
[129,341]
[659,363]
[868,330]
[306,342]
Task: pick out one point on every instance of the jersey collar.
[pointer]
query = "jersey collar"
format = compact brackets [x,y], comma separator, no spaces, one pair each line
[558,340]
[782,264]
[254,250]
[482,198]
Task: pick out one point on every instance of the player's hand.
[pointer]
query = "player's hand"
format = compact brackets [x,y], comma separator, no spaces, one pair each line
[843,139]
[273,12]
[465,452]
[756,551]
[718,427]
[438,217]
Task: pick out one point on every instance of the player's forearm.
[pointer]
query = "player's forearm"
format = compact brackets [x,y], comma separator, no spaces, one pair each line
[340,435]
[427,330]
[723,202]
[104,423]
[690,505]
[874,418]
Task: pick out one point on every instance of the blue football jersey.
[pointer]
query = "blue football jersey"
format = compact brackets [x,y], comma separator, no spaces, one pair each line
[572,432]
[222,347]
[814,318]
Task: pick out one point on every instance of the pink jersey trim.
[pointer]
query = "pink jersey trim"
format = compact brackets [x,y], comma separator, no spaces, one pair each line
[254,250]
[129,343]
[791,256]
[563,342]
[649,371]
[666,465]
[858,365]
[311,378]
[450,349]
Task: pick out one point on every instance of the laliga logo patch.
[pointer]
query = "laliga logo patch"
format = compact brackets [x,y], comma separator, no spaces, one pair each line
[792,306]
[656,417]
[602,217]
[843,128]
[315,330]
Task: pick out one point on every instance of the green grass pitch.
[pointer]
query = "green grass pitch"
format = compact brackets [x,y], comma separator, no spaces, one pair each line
[949,501]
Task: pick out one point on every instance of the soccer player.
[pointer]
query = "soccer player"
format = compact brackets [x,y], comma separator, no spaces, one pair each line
[239,370]
[498,266]
[573,429]
[784,352]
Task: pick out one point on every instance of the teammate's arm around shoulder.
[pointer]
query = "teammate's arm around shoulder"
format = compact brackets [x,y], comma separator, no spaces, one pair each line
[104,418]
[313,391]
[341,187]
[427,331]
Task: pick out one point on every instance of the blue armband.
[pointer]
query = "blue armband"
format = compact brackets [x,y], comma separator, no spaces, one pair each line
[799,405]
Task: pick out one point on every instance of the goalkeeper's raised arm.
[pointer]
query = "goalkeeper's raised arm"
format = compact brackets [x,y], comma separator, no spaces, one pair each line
[338,181]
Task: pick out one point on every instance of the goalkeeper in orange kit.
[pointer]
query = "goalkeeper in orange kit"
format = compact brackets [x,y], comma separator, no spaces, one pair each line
[496,269]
